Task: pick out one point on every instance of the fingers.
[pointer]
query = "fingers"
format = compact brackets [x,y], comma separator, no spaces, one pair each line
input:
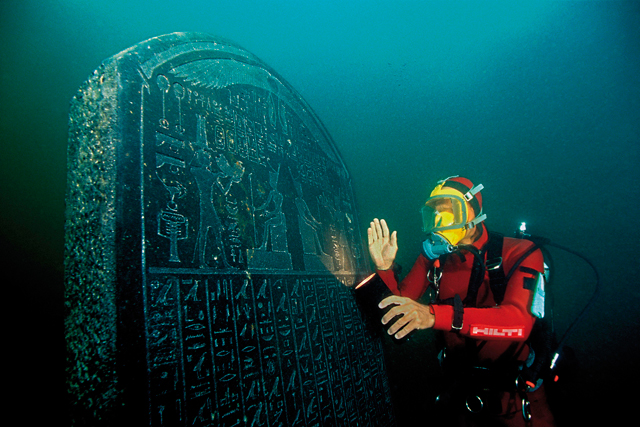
[403,326]
[393,299]
[408,314]
[384,229]
[404,323]
[389,315]
[394,239]
[378,229]
[403,306]
[374,232]
[371,232]
[382,246]
[404,332]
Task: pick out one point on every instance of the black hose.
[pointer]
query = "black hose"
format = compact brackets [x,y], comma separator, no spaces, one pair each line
[596,292]
[540,243]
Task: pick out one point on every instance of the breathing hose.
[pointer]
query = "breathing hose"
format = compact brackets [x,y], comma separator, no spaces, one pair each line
[586,308]
[540,243]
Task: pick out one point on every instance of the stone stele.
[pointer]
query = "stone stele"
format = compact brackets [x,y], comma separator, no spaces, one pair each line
[212,245]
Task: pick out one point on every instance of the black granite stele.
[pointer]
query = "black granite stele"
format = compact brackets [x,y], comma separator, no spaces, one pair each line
[211,248]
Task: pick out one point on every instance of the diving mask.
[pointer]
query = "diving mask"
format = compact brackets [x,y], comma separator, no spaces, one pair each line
[445,215]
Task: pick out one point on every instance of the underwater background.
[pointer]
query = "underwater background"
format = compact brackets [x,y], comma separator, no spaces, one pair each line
[539,101]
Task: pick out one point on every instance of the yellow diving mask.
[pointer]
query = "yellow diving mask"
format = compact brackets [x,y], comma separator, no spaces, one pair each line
[446,213]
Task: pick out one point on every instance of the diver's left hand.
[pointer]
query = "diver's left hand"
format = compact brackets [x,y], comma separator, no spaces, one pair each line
[414,315]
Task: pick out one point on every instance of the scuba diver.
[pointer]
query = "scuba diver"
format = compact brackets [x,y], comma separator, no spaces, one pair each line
[485,298]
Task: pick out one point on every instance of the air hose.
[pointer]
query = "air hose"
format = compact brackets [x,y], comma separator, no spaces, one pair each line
[586,308]
[541,242]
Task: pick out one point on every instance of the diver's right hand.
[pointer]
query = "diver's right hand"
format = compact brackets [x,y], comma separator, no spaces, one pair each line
[382,246]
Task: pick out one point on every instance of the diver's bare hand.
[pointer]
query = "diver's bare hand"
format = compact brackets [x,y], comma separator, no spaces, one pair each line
[414,315]
[382,245]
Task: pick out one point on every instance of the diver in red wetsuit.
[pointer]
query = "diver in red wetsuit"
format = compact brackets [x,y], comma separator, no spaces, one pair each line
[486,320]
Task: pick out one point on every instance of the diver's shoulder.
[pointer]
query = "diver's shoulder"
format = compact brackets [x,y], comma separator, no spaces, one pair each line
[514,248]
[513,242]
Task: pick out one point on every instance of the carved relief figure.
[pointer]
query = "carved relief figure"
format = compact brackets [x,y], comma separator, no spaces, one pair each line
[310,230]
[273,252]
[209,219]
[275,225]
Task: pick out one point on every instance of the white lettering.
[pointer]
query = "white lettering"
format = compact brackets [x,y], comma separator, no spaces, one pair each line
[487,331]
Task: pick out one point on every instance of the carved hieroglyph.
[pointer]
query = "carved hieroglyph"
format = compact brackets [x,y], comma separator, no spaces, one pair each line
[211,246]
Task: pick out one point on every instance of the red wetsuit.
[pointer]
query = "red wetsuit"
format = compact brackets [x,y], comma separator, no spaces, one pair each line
[496,330]
[494,327]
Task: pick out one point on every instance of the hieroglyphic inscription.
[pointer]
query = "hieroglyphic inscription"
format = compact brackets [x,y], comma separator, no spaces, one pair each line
[238,247]
[259,351]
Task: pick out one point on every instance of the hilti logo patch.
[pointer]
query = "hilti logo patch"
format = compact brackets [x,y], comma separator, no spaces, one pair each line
[488,331]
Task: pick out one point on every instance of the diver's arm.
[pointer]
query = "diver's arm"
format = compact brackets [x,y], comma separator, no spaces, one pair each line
[414,285]
[507,321]
[511,320]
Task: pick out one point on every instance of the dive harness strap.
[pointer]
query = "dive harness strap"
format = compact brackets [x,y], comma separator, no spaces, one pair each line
[488,260]
[493,264]
[458,313]
[497,281]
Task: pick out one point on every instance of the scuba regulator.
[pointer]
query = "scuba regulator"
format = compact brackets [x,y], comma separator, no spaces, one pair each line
[435,246]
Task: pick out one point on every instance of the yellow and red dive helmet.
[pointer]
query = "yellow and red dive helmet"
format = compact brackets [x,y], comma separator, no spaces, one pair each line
[446,210]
